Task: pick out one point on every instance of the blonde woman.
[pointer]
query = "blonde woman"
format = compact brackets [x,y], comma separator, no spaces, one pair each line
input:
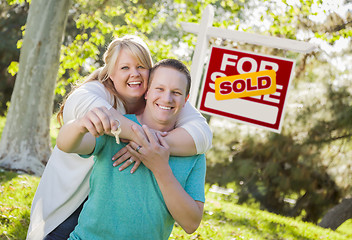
[119,86]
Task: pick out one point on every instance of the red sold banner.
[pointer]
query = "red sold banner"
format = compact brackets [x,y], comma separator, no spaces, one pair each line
[241,72]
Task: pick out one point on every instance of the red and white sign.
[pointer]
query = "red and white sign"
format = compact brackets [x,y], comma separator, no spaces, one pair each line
[264,110]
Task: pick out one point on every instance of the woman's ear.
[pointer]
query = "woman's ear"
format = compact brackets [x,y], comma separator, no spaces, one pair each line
[145,95]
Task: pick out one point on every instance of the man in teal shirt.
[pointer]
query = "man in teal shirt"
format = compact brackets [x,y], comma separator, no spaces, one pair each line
[164,189]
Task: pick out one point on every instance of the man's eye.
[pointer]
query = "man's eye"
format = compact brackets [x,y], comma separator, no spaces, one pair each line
[177,93]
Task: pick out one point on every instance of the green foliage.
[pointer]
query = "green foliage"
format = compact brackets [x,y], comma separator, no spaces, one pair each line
[16,195]
[2,124]
[272,169]
[54,129]
[13,68]
[12,17]
[297,172]
[222,219]
[12,2]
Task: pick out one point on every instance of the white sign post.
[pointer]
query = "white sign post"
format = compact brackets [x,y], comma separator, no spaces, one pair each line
[205,30]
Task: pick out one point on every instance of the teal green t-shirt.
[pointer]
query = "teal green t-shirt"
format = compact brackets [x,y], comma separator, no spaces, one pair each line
[129,206]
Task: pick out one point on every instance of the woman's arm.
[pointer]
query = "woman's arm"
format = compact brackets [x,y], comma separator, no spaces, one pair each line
[72,139]
[192,134]
[191,121]
[181,142]
[86,97]
[78,136]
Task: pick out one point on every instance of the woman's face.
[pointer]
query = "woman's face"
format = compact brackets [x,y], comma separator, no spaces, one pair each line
[130,78]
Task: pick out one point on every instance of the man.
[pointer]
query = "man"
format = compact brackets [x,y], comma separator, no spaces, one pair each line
[163,190]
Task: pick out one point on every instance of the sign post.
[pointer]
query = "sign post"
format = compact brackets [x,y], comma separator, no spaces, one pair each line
[204,30]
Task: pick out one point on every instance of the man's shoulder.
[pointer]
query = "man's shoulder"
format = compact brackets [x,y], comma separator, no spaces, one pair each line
[193,158]
[132,117]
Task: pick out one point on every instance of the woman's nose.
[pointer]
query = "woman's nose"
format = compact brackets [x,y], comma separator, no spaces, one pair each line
[135,72]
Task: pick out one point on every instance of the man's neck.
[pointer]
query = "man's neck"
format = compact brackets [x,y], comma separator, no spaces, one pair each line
[135,107]
[146,119]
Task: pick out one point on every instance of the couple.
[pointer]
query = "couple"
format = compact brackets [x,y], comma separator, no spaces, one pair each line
[121,83]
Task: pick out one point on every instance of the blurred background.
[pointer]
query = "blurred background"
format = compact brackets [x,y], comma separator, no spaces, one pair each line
[301,172]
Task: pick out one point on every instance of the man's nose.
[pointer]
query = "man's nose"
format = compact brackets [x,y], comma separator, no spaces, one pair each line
[167,97]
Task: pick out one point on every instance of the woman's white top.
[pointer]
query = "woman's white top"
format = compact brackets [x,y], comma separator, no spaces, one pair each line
[64,184]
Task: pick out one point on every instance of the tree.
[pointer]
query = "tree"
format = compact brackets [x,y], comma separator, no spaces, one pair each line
[25,142]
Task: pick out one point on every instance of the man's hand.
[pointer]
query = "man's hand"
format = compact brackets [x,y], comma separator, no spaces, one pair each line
[153,150]
[125,156]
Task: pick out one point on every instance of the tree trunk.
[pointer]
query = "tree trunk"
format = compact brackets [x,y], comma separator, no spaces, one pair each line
[337,215]
[25,142]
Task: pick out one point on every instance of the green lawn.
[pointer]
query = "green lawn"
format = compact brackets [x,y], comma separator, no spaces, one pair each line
[222,219]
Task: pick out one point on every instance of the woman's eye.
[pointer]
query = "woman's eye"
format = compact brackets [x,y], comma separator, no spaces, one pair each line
[141,67]
[125,67]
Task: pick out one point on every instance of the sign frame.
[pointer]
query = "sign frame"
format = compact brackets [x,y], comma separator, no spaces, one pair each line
[250,121]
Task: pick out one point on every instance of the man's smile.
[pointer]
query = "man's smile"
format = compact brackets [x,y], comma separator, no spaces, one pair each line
[164,107]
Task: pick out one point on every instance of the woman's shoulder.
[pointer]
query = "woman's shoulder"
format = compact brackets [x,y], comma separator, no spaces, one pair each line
[92,85]
[85,97]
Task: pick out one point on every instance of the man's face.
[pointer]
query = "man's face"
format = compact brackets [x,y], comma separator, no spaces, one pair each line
[166,95]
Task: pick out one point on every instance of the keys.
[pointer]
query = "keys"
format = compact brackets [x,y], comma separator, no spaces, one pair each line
[117,132]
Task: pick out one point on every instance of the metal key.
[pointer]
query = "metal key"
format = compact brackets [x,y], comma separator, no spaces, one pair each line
[117,132]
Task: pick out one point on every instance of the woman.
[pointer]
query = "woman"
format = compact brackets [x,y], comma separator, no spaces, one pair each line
[65,182]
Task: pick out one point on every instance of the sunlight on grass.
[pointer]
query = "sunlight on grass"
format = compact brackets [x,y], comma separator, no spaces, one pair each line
[225,220]
[16,195]
[222,218]
[346,228]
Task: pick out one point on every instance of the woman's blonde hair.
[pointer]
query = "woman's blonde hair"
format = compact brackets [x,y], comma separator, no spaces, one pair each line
[135,46]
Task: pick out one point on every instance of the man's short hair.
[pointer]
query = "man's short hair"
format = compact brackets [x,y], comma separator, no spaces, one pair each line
[175,64]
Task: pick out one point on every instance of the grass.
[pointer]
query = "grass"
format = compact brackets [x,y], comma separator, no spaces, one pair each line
[16,195]
[222,218]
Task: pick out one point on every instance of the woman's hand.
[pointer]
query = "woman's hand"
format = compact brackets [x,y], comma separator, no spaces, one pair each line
[125,156]
[73,137]
[153,150]
[98,121]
